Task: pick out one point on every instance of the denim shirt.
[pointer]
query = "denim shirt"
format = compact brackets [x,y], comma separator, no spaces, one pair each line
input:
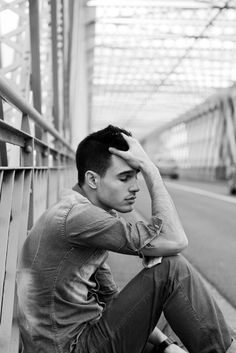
[63,280]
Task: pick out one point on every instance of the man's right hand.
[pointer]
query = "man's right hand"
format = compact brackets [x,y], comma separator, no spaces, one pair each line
[136,157]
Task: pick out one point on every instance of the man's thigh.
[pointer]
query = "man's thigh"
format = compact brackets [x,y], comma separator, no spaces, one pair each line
[172,286]
[130,318]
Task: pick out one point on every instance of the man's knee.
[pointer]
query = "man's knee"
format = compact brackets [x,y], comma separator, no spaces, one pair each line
[176,260]
[171,267]
[176,265]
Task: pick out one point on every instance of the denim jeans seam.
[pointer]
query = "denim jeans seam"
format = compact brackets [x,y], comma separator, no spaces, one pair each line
[133,309]
[200,319]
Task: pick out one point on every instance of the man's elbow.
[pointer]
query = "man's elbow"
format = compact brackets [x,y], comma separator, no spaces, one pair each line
[164,247]
[175,247]
[182,244]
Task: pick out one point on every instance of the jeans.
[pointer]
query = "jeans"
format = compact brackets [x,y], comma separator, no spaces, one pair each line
[173,287]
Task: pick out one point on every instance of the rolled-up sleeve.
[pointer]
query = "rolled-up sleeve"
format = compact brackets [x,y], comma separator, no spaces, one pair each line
[88,225]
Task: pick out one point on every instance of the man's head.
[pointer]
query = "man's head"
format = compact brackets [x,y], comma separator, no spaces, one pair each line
[93,154]
[108,181]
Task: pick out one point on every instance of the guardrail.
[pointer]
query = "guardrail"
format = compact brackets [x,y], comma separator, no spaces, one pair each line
[32,173]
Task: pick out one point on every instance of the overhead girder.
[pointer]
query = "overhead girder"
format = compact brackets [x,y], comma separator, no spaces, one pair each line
[157,46]
[80,88]
[35,59]
[155,3]
[210,137]
[34,56]
[228,107]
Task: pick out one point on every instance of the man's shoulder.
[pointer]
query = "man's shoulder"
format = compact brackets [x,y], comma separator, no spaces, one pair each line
[68,199]
[72,196]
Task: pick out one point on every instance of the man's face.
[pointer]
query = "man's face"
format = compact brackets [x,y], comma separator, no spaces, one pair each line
[118,187]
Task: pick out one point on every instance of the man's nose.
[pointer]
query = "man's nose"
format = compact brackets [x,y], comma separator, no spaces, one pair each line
[134,186]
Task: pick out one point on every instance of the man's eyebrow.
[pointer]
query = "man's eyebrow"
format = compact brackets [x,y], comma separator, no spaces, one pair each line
[129,172]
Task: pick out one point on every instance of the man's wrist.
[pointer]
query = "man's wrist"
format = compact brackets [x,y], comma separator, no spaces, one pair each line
[149,168]
[164,344]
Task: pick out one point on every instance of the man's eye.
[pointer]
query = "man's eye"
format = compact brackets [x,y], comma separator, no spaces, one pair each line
[124,179]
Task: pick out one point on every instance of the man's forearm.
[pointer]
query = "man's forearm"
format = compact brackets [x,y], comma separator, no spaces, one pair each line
[164,208]
[173,238]
[155,187]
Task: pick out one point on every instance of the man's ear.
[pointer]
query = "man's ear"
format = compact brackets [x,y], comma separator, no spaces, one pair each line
[91,179]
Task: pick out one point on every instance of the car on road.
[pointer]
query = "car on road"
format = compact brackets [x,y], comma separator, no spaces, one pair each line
[167,167]
[232,179]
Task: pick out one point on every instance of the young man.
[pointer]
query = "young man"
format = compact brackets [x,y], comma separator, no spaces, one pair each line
[68,301]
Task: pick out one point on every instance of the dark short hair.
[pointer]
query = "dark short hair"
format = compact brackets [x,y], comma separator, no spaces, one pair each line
[93,154]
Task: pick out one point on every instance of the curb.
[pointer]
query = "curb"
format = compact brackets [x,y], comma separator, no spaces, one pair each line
[228,310]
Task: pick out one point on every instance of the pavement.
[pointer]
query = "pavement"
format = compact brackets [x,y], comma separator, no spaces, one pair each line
[125,267]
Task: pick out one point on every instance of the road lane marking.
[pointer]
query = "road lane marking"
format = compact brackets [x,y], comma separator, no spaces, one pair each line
[198,191]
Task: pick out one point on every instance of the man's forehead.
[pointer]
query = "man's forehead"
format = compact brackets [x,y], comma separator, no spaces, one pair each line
[119,165]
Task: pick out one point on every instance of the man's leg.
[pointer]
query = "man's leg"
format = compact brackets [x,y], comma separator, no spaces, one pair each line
[174,287]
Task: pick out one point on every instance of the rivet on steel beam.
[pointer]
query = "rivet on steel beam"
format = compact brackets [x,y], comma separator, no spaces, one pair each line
[28,149]
[45,153]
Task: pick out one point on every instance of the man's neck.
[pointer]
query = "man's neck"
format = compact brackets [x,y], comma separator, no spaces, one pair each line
[83,190]
[78,189]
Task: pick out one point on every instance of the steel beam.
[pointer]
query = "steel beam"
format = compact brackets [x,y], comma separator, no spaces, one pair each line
[35,59]
[12,96]
[3,148]
[55,63]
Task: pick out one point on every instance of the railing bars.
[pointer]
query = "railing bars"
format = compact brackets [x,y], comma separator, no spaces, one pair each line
[14,98]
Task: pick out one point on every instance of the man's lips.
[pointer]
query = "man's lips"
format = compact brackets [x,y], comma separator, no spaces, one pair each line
[133,198]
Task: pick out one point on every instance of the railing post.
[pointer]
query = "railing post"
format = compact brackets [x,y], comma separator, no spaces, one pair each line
[56,114]
[27,155]
[35,59]
[3,148]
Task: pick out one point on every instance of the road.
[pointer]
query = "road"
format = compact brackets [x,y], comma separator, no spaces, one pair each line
[209,218]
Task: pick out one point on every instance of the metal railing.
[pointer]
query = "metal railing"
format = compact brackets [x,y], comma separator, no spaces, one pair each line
[32,173]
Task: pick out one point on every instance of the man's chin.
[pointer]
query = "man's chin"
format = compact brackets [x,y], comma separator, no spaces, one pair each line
[126,209]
